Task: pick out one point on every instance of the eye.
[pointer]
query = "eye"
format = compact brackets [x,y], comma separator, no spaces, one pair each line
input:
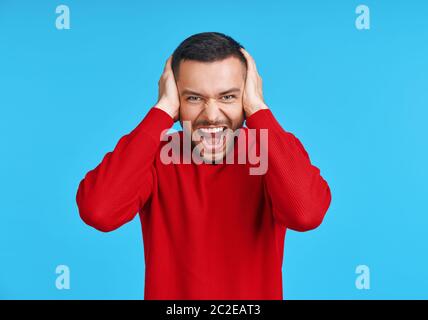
[193,98]
[228,97]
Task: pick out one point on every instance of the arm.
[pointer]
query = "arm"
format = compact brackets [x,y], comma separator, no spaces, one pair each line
[299,195]
[111,194]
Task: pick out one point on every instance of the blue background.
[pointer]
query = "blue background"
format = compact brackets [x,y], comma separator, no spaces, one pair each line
[357,100]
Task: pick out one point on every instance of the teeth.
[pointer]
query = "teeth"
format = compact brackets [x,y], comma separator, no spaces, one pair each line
[211,130]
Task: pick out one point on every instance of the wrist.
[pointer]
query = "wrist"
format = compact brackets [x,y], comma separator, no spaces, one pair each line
[254,109]
[165,108]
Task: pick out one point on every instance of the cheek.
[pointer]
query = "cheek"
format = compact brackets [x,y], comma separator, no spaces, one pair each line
[235,114]
[188,112]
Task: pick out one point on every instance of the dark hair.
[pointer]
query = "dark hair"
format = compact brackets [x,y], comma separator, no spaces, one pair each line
[206,47]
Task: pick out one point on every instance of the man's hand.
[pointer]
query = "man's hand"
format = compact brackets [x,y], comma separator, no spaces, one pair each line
[253,91]
[168,99]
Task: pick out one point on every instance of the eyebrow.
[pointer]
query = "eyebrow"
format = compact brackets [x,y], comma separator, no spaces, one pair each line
[190,92]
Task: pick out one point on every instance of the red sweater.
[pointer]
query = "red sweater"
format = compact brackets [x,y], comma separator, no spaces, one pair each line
[210,231]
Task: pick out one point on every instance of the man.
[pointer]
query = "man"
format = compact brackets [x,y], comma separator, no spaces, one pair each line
[211,229]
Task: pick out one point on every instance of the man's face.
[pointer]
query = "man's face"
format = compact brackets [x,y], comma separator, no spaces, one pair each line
[211,99]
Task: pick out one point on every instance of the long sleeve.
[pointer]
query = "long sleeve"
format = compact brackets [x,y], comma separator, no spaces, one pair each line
[299,195]
[111,194]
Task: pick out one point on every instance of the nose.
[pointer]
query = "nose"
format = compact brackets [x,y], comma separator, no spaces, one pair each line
[211,111]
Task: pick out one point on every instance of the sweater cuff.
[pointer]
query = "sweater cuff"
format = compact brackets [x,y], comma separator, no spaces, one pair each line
[263,119]
[155,121]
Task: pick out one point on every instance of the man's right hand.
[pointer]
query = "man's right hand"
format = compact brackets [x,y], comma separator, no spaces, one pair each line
[168,99]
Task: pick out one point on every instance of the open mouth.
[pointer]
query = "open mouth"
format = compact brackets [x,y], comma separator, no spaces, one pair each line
[212,137]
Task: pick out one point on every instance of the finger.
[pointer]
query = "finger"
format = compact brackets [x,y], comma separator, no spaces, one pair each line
[168,64]
[250,61]
[247,57]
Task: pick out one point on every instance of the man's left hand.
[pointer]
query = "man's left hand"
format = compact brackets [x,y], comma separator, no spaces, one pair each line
[253,92]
